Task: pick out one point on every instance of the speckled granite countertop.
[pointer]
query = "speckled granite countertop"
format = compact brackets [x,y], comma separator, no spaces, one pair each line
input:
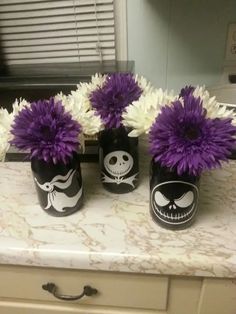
[116,232]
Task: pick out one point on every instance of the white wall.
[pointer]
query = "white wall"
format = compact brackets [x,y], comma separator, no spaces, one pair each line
[179,42]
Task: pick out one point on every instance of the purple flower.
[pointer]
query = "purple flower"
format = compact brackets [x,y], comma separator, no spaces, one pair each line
[186,91]
[46,131]
[184,139]
[110,100]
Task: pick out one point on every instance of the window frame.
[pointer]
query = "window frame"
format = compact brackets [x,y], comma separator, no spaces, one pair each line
[121,31]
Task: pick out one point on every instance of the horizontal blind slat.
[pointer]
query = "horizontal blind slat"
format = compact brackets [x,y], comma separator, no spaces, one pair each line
[54,12]
[56,19]
[59,26]
[8,4]
[65,47]
[57,40]
[13,2]
[96,58]
[57,33]
[36,6]
[47,54]
[52,5]
[62,60]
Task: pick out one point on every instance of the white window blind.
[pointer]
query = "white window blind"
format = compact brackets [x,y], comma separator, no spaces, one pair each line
[48,31]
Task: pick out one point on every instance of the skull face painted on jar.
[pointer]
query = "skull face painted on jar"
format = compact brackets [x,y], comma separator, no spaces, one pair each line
[174,202]
[119,166]
[118,163]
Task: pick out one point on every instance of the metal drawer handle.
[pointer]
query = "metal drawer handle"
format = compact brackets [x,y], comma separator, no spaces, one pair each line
[52,288]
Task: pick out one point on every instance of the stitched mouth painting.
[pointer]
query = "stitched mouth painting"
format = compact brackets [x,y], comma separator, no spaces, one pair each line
[174,202]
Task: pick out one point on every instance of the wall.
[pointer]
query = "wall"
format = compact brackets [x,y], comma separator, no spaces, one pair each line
[179,42]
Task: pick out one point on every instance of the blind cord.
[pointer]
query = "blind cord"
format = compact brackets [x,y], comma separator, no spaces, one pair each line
[76,29]
[168,42]
[98,44]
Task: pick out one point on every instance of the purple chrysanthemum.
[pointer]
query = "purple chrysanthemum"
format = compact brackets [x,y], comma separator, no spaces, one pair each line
[184,139]
[118,91]
[186,91]
[46,131]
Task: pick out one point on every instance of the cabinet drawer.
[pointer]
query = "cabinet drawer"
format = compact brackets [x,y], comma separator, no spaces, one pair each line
[114,289]
[21,307]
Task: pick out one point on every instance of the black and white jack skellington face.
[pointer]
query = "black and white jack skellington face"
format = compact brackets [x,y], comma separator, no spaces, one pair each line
[174,202]
[118,164]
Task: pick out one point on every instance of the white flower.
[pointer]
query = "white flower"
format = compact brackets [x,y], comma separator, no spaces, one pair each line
[18,105]
[141,114]
[144,85]
[5,135]
[214,108]
[78,105]
[91,123]
[6,120]
[97,80]
[84,89]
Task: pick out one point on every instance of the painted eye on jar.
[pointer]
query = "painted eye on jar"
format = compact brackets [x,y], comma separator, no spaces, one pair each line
[185,200]
[125,157]
[160,199]
[113,161]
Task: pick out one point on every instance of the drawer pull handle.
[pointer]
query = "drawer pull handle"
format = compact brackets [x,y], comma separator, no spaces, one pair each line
[52,288]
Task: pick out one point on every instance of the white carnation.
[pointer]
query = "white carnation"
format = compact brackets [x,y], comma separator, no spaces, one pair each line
[141,114]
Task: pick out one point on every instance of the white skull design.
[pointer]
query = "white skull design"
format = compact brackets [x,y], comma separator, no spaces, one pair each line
[118,163]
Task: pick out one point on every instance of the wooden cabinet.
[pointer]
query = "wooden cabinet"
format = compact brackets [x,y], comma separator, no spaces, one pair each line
[21,293]
[114,289]
[218,296]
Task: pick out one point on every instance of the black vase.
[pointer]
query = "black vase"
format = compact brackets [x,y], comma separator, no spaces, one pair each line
[233,154]
[59,186]
[173,198]
[118,158]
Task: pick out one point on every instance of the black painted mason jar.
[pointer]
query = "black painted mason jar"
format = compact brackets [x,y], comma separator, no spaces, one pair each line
[173,198]
[233,154]
[59,186]
[118,159]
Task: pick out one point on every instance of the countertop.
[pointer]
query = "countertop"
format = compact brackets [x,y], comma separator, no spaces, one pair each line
[116,232]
